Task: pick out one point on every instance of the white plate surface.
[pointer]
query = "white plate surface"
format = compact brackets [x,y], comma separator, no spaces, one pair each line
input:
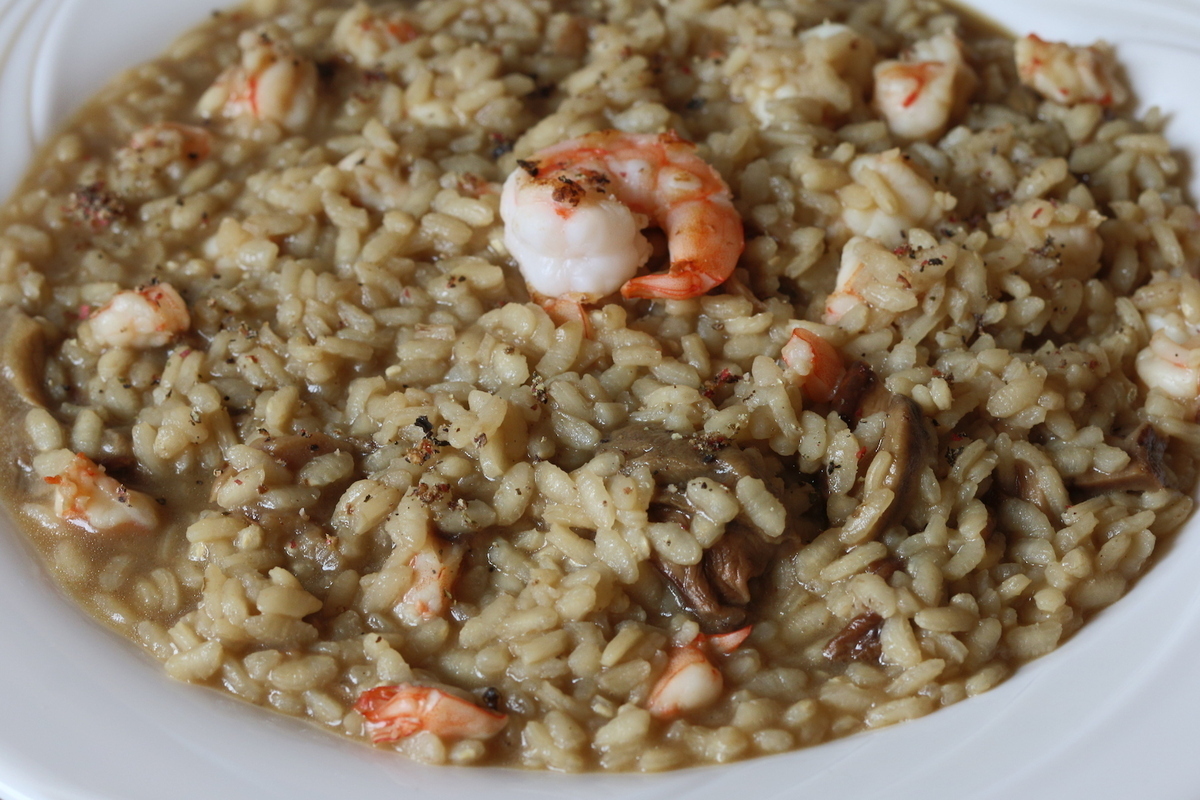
[85,716]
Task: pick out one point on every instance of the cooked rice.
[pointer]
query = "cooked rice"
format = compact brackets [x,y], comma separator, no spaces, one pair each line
[364,378]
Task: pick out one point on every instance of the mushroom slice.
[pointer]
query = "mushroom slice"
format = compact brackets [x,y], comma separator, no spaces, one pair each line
[695,592]
[908,443]
[853,390]
[714,590]
[675,458]
[858,641]
[296,449]
[24,358]
[717,589]
[1145,471]
[739,556]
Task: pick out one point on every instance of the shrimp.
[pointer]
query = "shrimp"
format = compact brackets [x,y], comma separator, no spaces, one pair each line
[890,195]
[1069,75]
[1171,364]
[270,83]
[434,571]
[142,318]
[919,94]
[87,498]
[366,35]
[690,681]
[395,712]
[574,211]
[164,143]
[816,361]
[887,282]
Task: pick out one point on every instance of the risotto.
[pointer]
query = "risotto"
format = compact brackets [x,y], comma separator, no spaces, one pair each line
[602,385]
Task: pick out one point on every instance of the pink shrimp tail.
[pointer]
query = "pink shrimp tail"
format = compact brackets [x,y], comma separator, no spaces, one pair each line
[705,239]
[395,712]
[725,642]
[568,308]
[818,362]
[374,704]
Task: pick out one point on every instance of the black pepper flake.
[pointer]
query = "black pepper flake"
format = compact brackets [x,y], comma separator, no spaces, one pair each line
[538,384]
[327,69]
[502,145]
[94,206]
[425,425]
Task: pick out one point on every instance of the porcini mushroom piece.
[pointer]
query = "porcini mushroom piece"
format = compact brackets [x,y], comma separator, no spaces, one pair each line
[858,641]
[1145,471]
[717,589]
[906,440]
[849,397]
[24,357]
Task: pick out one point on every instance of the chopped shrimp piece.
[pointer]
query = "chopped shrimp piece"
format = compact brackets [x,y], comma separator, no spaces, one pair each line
[724,643]
[366,35]
[395,712]
[1065,234]
[1171,364]
[270,83]
[434,571]
[889,196]
[163,143]
[1069,75]
[1171,361]
[816,361]
[574,211]
[889,282]
[690,681]
[86,497]
[919,94]
[142,318]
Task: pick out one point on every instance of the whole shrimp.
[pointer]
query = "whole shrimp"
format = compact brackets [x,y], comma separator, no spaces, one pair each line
[574,212]
[87,498]
[691,681]
[395,712]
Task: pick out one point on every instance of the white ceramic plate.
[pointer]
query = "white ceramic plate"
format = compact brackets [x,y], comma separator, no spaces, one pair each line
[85,716]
